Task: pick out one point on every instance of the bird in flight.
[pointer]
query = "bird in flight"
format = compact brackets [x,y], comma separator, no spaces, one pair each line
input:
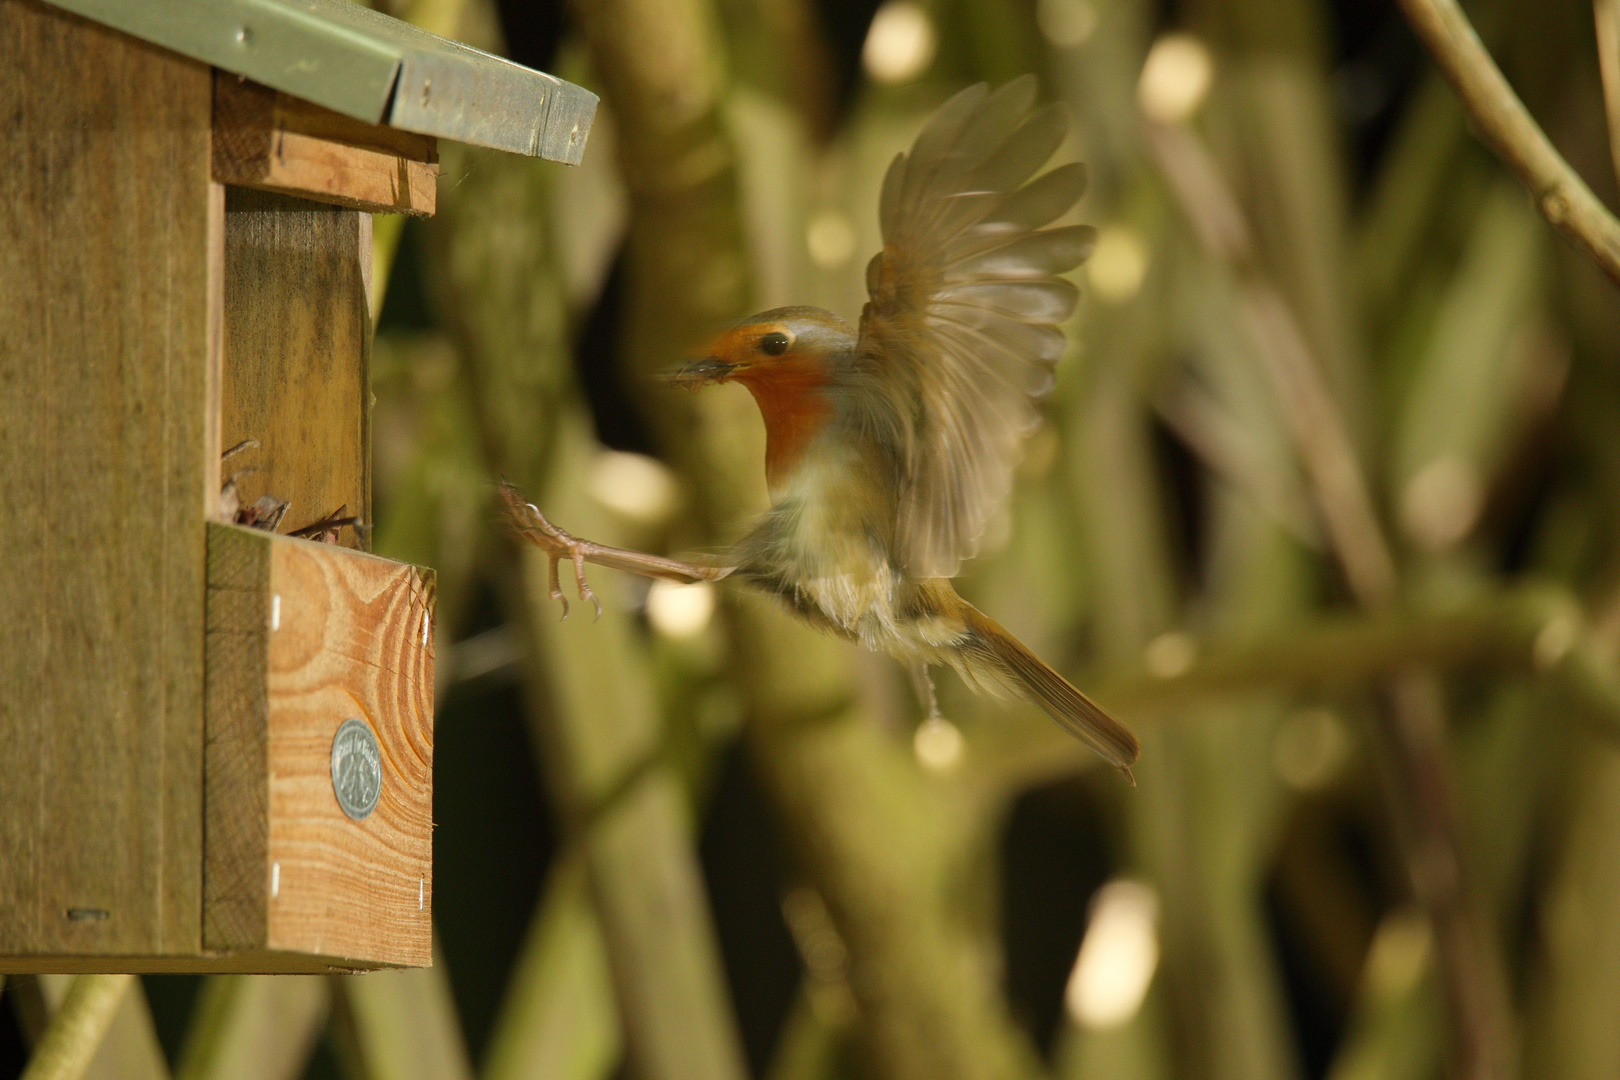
[889,447]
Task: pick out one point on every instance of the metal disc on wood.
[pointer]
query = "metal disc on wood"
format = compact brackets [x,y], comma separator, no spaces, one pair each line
[356,769]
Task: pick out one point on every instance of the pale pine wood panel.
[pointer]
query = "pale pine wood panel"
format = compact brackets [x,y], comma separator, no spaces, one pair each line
[310,635]
[355,641]
[296,354]
[104,479]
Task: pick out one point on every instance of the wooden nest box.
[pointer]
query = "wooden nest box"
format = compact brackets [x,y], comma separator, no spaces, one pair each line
[216,741]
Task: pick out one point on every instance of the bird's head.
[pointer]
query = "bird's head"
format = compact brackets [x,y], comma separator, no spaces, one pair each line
[789,359]
[797,346]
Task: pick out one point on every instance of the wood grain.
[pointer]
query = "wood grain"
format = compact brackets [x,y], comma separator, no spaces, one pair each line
[296,354]
[271,140]
[236,810]
[105,234]
[243,962]
[309,635]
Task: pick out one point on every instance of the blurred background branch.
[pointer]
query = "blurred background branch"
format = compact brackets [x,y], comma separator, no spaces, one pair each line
[1423,789]
[1560,193]
[70,1040]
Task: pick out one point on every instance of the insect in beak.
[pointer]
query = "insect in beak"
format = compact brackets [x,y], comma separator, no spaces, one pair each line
[699,373]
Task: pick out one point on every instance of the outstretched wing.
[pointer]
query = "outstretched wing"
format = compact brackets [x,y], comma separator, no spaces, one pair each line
[962,330]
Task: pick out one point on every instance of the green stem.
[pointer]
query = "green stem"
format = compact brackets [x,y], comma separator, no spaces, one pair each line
[1508,128]
[76,1030]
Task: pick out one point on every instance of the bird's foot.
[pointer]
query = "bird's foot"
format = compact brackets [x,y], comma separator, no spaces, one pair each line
[532,525]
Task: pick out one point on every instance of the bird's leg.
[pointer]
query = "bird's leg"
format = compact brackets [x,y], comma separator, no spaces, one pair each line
[531,524]
[922,683]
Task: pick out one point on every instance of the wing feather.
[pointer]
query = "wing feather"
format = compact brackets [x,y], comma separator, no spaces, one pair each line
[1049,301]
[1029,147]
[962,329]
[1037,254]
[1044,199]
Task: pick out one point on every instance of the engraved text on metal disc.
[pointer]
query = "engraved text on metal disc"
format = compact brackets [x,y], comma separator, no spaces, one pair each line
[356,768]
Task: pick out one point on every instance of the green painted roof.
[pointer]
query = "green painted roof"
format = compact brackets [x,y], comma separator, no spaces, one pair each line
[364,64]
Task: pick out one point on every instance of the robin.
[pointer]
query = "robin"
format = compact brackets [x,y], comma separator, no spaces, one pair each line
[888,448]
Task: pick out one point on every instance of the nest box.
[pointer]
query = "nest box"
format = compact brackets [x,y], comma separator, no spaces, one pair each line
[216,741]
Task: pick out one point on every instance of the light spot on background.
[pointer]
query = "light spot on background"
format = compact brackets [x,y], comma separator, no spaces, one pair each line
[1169,655]
[1556,639]
[900,43]
[634,485]
[1399,954]
[1066,24]
[1175,78]
[831,239]
[1118,955]
[938,745]
[1117,266]
[1441,503]
[1309,748]
[680,611]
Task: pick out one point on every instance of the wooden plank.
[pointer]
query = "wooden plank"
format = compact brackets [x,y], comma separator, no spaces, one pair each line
[300,636]
[356,640]
[296,354]
[104,477]
[236,809]
[270,140]
[245,962]
[310,635]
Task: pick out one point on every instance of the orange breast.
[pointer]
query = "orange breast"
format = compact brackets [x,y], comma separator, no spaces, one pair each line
[793,400]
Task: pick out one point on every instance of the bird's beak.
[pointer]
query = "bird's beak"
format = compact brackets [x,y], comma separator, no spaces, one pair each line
[698,373]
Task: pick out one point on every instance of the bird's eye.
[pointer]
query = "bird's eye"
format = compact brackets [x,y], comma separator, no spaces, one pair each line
[774,343]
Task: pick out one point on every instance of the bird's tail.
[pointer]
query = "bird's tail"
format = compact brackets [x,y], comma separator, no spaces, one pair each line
[991,650]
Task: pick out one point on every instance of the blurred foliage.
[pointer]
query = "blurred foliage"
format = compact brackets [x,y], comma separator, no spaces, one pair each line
[1375,835]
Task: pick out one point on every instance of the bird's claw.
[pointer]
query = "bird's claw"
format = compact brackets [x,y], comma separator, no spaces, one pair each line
[584,589]
[532,525]
[556,592]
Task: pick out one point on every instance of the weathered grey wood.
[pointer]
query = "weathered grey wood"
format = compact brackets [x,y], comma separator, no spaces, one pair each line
[105,234]
[296,354]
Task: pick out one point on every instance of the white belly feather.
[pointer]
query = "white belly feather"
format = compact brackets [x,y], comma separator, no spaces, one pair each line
[840,568]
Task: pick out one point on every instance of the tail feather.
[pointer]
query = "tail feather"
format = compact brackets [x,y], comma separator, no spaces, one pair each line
[1026,674]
